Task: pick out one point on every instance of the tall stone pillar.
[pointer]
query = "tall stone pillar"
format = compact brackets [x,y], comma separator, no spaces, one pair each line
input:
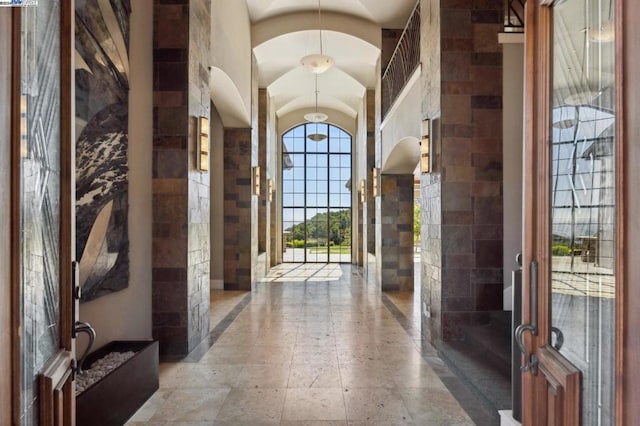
[396,230]
[263,212]
[237,209]
[369,213]
[462,197]
[181,237]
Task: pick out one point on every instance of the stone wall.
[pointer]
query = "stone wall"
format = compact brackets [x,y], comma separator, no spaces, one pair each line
[390,39]
[181,249]
[256,257]
[237,209]
[371,163]
[199,248]
[263,211]
[360,257]
[430,184]
[465,86]
[396,223]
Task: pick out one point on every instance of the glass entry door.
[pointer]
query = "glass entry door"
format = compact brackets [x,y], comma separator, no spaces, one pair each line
[570,235]
[316,194]
[582,211]
[41,222]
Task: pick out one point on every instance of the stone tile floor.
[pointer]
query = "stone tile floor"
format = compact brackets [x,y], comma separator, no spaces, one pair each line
[302,352]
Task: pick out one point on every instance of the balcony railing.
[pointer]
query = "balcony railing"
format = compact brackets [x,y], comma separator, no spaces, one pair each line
[514,16]
[403,62]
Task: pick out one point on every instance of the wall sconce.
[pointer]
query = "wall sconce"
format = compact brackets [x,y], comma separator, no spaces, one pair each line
[271,190]
[425,147]
[363,191]
[203,144]
[256,180]
[376,175]
[24,137]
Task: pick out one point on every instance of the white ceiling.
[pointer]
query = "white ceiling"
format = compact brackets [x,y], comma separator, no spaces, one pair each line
[386,13]
[342,87]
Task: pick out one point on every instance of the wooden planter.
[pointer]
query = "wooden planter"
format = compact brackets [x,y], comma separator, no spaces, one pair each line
[117,396]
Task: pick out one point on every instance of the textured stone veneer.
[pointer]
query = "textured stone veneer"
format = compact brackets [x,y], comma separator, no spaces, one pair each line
[396,223]
[371,163]
[263,211]
[237,209]
[462,199]
[181,245]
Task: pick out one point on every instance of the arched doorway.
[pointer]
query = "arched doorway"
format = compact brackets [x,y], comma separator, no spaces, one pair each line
[316,194]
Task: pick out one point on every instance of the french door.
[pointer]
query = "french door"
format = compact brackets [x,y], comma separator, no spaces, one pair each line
[316,194]
[43,309]
[572,206]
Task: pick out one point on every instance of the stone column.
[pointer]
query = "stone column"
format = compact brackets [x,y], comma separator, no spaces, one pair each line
[181,238]
[462,198]
[396,223]
[369,213]
[263,212]
[237,209]
[361,237]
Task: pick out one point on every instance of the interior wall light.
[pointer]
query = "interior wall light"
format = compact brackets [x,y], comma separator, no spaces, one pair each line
[24,135]
[425,147]
[375,177]
[271,190]
[363,191]
[256,180]
[203,144]
[318,62]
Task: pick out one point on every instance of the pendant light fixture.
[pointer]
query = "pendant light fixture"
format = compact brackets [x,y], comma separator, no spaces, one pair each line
[318,62]
[316,117]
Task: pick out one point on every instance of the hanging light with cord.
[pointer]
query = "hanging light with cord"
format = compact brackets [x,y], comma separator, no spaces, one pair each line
[318,62]
[316,117]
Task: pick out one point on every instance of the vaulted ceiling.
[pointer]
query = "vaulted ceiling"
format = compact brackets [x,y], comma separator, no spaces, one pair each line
[286,30]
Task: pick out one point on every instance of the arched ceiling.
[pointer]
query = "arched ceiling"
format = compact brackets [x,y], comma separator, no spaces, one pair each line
[386,13]
[351,36]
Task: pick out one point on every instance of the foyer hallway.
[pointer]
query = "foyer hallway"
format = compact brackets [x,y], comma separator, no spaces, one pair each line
[313,345]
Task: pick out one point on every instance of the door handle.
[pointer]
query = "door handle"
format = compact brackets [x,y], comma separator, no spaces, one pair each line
[84,327]
[559,338]
[531,361]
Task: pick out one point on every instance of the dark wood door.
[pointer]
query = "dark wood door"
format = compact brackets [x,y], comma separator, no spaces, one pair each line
[572,203]
[43,307]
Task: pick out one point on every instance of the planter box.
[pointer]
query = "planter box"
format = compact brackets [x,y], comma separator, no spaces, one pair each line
[117,396]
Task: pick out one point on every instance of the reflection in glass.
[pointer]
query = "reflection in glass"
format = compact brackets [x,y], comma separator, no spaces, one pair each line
[315,183]
[39,198]
[583,198]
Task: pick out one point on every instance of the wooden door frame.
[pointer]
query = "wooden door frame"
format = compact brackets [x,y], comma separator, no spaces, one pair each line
[5,214]
[627,31]
[67,192]
[536,226]
[537,76]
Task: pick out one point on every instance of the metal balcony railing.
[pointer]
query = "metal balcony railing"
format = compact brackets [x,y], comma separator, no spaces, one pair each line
[514,16]
[403,62]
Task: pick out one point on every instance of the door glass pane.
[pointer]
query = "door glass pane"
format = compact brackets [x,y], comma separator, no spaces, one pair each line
[340,235]
[39,197]
[583,198]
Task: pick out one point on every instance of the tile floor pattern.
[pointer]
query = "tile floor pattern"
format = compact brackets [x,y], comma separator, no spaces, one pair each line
[308,353]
